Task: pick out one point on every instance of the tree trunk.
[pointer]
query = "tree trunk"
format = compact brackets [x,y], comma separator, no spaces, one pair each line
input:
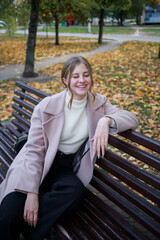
[31,44]
[121,18]
[56,29]
[138,20]
[46,30]
[159,52]
[101,20]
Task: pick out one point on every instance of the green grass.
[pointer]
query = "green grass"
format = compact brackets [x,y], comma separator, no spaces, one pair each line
[18,37]
[94,30]
[151,31]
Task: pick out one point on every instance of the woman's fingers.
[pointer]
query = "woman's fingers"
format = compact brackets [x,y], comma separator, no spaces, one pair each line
[100,139]
[31,209]
[100,145]
[31,218]
[106,142]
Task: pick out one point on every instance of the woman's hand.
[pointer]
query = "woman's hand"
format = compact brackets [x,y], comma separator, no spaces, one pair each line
[100,139]
[31,209]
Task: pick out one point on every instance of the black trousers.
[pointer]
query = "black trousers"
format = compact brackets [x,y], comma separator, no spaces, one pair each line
[60,193]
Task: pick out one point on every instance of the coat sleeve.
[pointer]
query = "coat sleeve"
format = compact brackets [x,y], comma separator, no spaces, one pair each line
[124,120]
[30,171]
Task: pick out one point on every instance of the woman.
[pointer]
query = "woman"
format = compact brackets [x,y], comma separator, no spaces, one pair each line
[42,184]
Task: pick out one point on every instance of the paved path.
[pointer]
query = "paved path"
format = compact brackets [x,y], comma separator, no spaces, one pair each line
[14,71]
[117,37]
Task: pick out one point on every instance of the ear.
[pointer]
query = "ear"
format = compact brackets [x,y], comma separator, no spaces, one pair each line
[65,81]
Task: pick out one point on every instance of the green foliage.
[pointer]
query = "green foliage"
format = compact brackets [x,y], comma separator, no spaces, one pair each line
[8,15]
[23,12]
[120,9]
[49,10]
[11,25]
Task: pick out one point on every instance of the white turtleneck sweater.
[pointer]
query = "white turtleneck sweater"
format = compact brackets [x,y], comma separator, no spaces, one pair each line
[75,129]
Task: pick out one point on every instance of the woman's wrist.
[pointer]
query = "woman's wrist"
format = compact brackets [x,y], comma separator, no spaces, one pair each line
[106,120]
[109,120]
[32,195]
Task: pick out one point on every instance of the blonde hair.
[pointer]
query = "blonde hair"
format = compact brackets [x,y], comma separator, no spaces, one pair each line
[68,69]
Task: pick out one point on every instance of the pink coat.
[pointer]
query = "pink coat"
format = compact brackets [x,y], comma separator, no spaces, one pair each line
[34,160]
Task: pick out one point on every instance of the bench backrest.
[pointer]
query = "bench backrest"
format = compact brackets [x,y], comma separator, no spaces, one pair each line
[124,194]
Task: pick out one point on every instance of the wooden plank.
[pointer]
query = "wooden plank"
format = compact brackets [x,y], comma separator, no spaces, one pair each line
[23,104]
[142,218]
[128,194]
[21,119]
[135,152]
[31,89]
[142,139]
[19,125]
[27,97]
[22,111]
[116,219]
[133,169]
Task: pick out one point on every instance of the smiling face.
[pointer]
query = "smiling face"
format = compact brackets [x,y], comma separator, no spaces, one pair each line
[80,82]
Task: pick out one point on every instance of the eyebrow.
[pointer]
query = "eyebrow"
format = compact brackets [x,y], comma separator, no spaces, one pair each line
[78,73]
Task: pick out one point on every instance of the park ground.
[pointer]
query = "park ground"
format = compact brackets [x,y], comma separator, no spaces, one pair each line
[128,76]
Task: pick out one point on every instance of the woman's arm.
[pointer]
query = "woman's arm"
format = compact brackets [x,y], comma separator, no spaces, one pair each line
[115,120]
[124,119]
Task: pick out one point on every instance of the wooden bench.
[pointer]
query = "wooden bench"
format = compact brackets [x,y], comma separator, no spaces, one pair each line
[122,200]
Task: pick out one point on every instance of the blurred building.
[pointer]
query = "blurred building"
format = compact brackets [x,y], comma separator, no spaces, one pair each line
[151,15]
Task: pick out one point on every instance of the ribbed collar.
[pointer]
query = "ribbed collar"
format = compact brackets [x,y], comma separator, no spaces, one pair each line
[76,103]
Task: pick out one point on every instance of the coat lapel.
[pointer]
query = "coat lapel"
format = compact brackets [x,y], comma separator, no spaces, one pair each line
[53,115]
[53,121]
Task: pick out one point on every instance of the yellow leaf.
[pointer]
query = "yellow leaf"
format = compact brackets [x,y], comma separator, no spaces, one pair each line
[151,121]
[141,147]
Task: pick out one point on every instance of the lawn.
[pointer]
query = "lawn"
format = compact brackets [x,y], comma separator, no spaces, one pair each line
[128,76]
[13,50]
[151,31]
[94,30]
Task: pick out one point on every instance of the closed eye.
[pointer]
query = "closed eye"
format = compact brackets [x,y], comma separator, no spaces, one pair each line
[86,75]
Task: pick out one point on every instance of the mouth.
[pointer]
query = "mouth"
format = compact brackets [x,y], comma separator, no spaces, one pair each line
[82,86]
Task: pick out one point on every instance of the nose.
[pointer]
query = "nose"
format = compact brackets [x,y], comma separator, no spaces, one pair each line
[81,78]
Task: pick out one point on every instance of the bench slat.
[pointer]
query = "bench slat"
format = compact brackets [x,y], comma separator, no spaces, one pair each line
[90,226]
[127,207]
[19,125]
[129,195]
[6,153]
[133,169]
[5,142]
[23,104]
[21,119]
[31,89]
[27,97]
[131,181]
[73,231]
[105,224]
[65,231]
[135,152]
[12,130]
[114,217]
[7,134]
[142,140]
[21,111]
